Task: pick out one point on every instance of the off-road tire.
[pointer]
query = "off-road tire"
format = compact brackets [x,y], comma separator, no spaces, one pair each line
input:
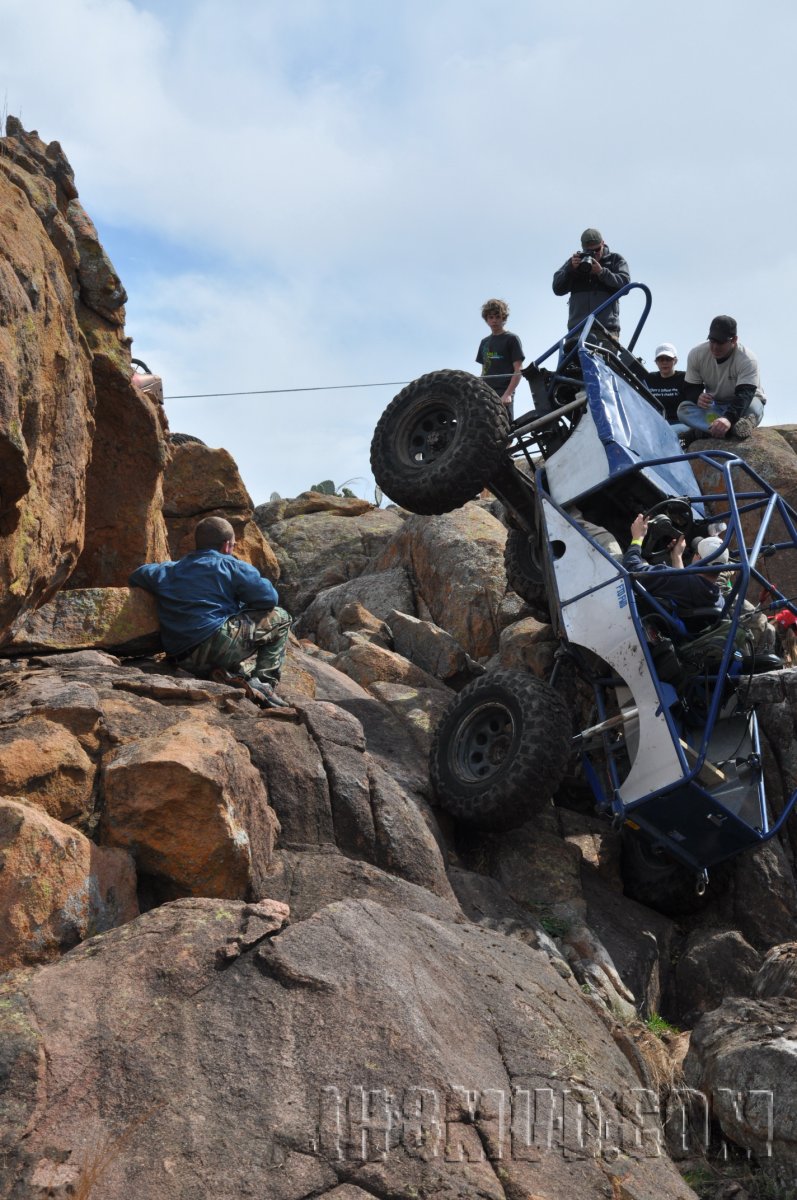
[523,570]
[439,442]
[653,878]
[501,750]
[180,439]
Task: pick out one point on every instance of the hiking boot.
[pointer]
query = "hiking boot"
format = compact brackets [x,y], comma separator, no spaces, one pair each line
[262,692]
[743,428]
[258,690]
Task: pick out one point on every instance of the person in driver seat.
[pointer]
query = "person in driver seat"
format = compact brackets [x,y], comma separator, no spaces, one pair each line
[691,591]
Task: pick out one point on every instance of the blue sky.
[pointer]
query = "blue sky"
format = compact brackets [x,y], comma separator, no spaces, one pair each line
[325,192]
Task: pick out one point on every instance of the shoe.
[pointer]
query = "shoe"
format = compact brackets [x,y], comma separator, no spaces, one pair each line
[743,428]
[258,690]
[262,692]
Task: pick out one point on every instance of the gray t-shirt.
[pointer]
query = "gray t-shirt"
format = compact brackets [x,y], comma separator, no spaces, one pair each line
[722,378]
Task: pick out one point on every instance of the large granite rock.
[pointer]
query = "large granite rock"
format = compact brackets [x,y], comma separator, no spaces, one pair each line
[456,565]
[322,541]
[203,482]
[81,450]
[47,395]
[181,803]
[363,1050]
[123,620]
[56,886]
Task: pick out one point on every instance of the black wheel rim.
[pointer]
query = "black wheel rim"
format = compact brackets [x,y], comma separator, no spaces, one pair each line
[484,743]
[427,433]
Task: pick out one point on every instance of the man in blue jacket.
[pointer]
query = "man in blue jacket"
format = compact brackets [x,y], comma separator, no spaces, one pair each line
[216,611]
[689,590]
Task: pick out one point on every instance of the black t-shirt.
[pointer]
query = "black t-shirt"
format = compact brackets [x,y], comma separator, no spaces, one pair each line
[498,353]
[668,392]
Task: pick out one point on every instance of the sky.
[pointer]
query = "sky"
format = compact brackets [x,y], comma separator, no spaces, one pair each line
[324,192]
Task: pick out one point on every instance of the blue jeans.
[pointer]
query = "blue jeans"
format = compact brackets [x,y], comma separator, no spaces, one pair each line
[698,418]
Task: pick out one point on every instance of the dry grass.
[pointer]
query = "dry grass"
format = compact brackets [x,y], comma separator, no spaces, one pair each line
[100,1157]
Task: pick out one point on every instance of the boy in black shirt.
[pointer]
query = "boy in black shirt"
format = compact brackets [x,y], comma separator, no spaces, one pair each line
[667,384]
[500,354]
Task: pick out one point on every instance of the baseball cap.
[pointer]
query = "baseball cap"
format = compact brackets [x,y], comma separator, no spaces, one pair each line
[706,546]
[785,618]
[591,237]
[722,327]
[667,349]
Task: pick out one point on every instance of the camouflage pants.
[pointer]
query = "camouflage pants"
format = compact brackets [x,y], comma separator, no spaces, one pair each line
[263,634]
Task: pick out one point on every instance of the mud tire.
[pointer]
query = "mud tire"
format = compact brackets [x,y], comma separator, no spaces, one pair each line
[653,878]
[439,442]
[523,570]
[501,750]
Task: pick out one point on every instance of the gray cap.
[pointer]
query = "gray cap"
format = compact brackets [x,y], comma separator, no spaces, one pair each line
[591,237]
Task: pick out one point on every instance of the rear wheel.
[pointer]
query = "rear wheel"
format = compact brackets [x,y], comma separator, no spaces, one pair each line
[653,878]
[501,750]
[439,442]
[523,567]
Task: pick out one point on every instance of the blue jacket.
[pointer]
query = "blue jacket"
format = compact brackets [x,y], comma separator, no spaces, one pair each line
[197,594]
[687,589]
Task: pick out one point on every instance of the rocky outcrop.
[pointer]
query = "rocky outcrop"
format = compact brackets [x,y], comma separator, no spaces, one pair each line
[741,1057]
[47,398]
[243,948]
[179,801]
[321,541]
[81,451]
[455,563]
[202,482]
[319,1070]
[123,620]
[58,888]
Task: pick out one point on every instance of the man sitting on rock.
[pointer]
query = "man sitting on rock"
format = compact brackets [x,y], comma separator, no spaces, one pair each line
[216,611]
[722,394]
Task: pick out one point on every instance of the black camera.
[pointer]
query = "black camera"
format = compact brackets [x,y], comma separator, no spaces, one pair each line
[586,261]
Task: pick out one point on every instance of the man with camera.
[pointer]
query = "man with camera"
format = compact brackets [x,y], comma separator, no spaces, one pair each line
[591,276]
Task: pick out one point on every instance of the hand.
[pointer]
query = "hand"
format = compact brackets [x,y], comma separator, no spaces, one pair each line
[507,398]
[596,267]
[720,427]
[705,400]
[575,262]
[677,551]
[639,527]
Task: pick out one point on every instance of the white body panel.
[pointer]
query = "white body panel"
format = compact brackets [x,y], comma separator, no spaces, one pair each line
[579,465]
[602,622]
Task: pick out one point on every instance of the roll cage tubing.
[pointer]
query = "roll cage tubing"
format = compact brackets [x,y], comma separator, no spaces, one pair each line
[761,498]
[567,348]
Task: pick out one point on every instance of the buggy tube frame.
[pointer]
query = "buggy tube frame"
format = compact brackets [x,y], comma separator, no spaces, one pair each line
[646,811]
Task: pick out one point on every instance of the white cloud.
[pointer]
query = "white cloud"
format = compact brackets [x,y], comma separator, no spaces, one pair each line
[325,192]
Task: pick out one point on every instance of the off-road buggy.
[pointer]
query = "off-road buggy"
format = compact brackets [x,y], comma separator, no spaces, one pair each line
[671,749]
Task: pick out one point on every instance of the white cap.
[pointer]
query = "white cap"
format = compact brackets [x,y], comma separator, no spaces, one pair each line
[667,349]
[706,547]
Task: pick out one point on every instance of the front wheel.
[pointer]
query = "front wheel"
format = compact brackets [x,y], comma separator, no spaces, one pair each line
[501,750]
[439,442]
